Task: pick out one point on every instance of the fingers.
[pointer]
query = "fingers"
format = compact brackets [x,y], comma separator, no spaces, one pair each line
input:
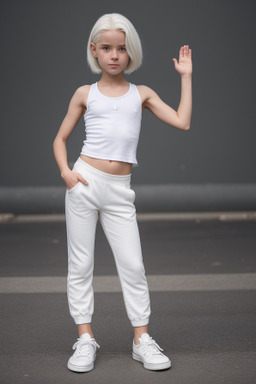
[80,178]
[185,51]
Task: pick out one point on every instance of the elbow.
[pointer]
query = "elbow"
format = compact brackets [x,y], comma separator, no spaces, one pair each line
[54,142]
[59,139]
[183,123]
[184,127]
[54,146]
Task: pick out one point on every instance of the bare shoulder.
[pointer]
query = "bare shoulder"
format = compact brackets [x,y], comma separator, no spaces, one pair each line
[144,90]
[83,88]
[145,93]
[81,94]
[83,91]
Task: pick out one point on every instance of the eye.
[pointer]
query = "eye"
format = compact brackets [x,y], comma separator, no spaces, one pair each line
[105,48]
[123,49]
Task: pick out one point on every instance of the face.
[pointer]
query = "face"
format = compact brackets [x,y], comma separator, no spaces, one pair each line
[111,52]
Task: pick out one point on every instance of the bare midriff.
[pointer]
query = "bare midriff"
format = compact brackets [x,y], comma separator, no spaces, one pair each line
[109,166]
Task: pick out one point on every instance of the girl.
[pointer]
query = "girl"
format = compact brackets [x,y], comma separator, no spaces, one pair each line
[98,186]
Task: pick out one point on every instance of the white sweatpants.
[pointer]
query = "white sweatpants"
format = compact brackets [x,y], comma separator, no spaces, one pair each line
[109,198]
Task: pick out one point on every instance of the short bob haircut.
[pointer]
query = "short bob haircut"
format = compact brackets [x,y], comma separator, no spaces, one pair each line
[115,21]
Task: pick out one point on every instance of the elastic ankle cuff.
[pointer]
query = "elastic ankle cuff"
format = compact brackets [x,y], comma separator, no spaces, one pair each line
[82,319]
[140,323]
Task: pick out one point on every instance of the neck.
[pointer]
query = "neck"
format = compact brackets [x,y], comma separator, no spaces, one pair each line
[117,80]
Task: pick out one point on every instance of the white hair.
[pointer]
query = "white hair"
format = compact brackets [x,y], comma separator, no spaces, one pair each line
[115,21]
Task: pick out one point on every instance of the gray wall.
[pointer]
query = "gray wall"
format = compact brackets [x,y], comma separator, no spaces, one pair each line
[43,58]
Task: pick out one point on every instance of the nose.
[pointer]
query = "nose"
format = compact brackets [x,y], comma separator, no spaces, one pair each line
[114,54]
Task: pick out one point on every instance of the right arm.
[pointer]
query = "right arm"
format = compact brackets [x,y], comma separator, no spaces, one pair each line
[75,111]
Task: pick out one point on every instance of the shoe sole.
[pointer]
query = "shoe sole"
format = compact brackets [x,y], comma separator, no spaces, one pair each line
[152,367]
[76,368]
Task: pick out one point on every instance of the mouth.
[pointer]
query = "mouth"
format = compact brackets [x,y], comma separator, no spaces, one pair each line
[113,65]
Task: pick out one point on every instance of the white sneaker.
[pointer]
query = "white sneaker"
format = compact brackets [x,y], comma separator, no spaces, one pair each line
[149,353]
[85,354]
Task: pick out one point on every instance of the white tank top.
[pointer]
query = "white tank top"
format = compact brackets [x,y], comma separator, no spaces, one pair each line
[112,125]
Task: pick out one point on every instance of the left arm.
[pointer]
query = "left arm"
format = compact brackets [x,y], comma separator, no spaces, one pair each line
[182,118]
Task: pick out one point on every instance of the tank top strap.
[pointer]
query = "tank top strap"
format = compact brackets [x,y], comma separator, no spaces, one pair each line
[91,93]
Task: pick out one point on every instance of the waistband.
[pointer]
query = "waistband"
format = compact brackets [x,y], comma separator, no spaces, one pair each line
[107,177]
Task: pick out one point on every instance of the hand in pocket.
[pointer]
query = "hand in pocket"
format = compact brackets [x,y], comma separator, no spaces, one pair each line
[71,178]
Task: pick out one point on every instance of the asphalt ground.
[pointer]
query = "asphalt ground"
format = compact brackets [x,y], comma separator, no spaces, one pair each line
[202,279]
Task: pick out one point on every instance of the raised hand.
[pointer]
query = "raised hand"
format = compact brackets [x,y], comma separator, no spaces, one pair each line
[184,65]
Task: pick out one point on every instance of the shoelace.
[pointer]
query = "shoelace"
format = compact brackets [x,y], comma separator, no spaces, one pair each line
[151,347]
[82,346]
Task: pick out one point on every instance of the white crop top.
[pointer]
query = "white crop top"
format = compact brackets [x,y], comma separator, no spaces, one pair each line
[112,125]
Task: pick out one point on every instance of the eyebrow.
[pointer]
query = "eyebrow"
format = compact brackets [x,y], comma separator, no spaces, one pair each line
[107,45]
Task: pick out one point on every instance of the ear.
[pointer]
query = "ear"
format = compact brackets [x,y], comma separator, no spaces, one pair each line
[93,49]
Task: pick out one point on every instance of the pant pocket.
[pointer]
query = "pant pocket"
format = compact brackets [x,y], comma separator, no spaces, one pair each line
[133,194]
[74,188]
